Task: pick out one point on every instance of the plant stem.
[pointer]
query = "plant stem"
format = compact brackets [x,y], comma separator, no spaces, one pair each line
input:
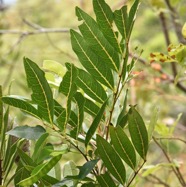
[159,181]
[135,174]
[172,138]
[174,169]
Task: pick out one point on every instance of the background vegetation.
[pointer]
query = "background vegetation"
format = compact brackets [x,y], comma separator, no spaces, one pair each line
[40,30]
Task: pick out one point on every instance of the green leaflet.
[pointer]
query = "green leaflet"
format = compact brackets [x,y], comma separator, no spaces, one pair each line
[58,109]
[123,146]
[91,62]
[105,180]
[68,88]
[1,110]
[26,160]
[121,21]
[42,93]
[87,168]
[138,132]
[96,40]
[22,104]
[90,107]
[105,18]
[41,142]
[90,86]
[42,171]
[55,67]
[111,159]
[79,100]
[132,16]
[153,122]
[95,124]
[27,132]
[123,111]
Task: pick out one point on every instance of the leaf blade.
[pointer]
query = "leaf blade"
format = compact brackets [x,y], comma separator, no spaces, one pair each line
[97,41]
[91,61]
[138,132]
[79,99]
[27,132]
[41,172]
[95,124]
[123,146]
[68,88]
[90,86]
[42,93]
[105,18]
[22,104]
[112,161]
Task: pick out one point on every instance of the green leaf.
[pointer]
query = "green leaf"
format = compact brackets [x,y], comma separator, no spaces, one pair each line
[123,121]
[95,124]
[58,109]
[96,40]
[91,108]
[121,21]
[68,88]
[22,104]
[70,169]
[20,174]
[6,124]
[111,159]
[41,142]
[86,168]
[41,172]
[105,18]
[105,180]
[42,93]
[89,184]
[132,16]
[90,86]
[90,61]
[153,122]
[123,146]
[1,110]
[123,111]
[55,67]
[10,156]
[138,132]
[48,180]
[26,160]
[79,99]
[27,132]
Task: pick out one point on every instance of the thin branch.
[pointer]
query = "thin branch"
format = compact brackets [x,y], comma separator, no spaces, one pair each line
[136,172]
[32,25]
[39,31]
[175,21]
[172,138]
[174,169]
[159,181]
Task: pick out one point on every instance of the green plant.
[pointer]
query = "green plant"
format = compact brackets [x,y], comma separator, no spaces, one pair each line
[87,110]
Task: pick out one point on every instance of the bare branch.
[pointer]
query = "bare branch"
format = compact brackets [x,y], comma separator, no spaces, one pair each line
[174,169]
[40,31]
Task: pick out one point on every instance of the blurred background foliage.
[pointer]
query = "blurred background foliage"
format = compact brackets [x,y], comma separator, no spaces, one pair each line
[151,88]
